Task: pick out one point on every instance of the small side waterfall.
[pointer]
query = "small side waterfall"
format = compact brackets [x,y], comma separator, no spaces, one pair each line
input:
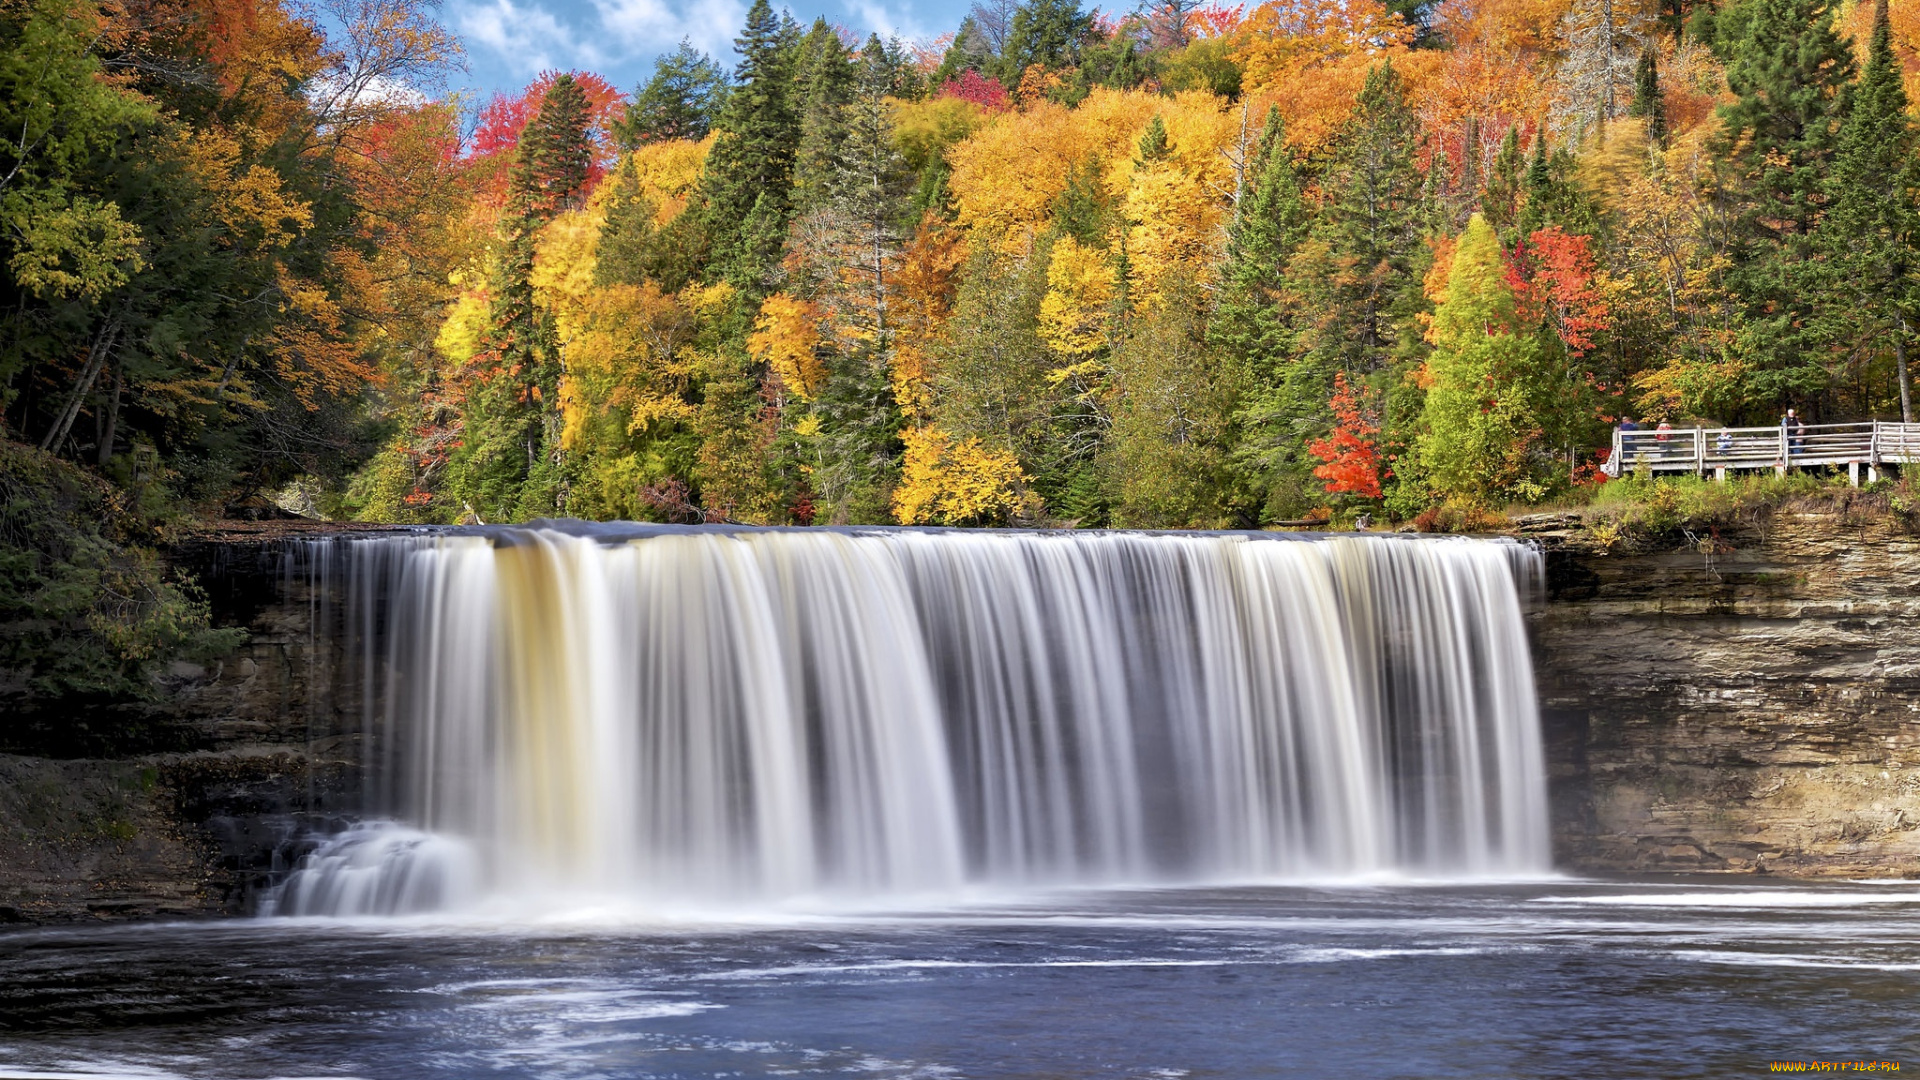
[686,714]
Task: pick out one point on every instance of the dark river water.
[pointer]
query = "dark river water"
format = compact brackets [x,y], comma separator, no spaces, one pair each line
[1665,978]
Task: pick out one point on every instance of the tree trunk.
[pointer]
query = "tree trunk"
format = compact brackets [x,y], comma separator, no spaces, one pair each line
[1900,367]
[96,359]
[113,414]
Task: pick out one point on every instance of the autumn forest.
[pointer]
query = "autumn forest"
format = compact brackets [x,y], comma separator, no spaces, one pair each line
[1174,267]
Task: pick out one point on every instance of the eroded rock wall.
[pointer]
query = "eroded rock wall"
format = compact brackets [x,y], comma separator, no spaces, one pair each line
[185,804]
[1737,701]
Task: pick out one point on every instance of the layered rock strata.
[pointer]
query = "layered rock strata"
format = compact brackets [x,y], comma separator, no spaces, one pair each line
[1736,700]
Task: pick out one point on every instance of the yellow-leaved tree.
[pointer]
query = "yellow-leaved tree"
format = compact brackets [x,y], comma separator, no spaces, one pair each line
[1079,300]
[1311,57]
[786,338]
[1177,195]
[945,481]
[1007,175]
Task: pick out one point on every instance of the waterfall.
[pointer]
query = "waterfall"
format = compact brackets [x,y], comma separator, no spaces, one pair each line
[688,714]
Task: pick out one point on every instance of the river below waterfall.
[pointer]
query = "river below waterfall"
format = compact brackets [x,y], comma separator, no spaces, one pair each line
[1653,978]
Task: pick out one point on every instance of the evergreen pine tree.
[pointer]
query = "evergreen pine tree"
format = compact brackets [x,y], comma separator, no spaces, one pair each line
[1872,232]
[745,186]
[823,88]
[1047,33]
[1357,282]
[1118,63]
[1553,196]
[860,418]
[1649,100]
[681,101]
[1267,227]
[969,52]
[1084,210]
[1467,199]
[625,253]
[1371,224]
[509,465]
[904,73]
[555,155]
[1788,69]
[1154,146]
[1250,328]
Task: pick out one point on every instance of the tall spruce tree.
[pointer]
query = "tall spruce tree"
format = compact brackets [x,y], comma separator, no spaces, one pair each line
[1553,196]
[1506,181]
[1466,200]
[1788,70]
[1371,224]
[1154,145]
[1085,209]
[681,101]
[1251,329]
[1649,100]
[745,188]
[1267,227]
[860,420]
[970,51]
[510,464]
[1357,282]
[1871,234]
[823,90]
[1047,33]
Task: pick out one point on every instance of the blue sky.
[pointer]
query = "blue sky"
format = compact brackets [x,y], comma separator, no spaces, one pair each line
[510,41]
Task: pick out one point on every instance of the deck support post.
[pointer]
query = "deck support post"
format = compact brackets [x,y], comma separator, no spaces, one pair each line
[1873,473]
[1853,473]
[1720,473]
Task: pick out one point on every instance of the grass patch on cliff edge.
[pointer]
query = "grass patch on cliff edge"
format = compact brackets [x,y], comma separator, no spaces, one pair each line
[1642,507]
[89,612]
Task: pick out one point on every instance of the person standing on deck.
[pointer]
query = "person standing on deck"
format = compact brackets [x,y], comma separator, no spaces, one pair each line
[1796,432]
[1629,453]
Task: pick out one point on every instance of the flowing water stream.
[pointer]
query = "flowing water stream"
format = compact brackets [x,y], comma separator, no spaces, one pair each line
[1557,979]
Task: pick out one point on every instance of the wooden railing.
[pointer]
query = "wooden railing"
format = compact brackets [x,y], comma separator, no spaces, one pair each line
[1869,444]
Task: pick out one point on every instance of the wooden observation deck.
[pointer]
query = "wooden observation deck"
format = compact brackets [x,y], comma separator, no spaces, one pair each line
[1868,444]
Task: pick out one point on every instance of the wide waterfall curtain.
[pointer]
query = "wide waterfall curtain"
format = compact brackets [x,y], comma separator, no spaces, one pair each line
[682,713]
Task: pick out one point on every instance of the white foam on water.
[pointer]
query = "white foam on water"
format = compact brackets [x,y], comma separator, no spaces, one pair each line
[1741,898]
[1340,955]
[1754,959]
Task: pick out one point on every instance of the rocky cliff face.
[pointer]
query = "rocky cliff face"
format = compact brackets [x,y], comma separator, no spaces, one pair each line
[1742,701]
[182,806]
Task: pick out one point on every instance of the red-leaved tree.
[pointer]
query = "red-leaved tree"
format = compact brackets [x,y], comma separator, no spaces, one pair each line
[1551,275]
[1351,452]
[978,89]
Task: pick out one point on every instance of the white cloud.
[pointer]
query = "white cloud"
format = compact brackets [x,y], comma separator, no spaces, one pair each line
[879,18]
[529,39]
[649,27]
